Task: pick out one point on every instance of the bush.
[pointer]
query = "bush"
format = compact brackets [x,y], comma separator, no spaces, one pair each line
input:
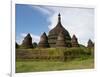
[61,54]
[72,53]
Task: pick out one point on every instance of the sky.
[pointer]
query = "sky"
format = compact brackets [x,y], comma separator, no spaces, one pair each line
[36,19]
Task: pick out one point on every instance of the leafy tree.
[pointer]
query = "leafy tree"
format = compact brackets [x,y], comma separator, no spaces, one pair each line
[34,44]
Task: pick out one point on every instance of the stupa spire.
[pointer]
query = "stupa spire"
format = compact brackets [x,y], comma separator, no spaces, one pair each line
[59,18]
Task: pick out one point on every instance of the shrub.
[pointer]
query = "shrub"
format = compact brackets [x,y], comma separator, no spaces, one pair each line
[61,54]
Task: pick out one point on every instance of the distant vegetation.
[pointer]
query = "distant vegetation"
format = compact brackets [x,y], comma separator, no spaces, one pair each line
[61,54]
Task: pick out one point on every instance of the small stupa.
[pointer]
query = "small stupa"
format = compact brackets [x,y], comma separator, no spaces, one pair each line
[90,43]
[43,41]
[27,42]
[74,41]
[61,40]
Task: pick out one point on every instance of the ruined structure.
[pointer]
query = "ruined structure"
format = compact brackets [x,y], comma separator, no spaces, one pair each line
[27,42]
[61,40]
[74,41]
[57,37]
[90,44]
[54,33]
[16,45]
[43,41]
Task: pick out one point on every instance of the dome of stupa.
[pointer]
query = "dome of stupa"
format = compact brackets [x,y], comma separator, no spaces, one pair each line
[53,34]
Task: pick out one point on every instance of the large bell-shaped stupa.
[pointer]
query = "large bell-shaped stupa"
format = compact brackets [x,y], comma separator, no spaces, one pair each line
[54,33]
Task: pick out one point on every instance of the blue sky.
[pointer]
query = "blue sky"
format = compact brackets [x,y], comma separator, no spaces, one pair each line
[36,19]
[30,20]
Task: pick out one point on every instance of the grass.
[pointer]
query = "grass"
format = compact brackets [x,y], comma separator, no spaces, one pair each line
[36,66]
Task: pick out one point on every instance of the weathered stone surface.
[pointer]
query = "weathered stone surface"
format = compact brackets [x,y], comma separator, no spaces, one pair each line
[27,42]
[43,41]
[74,41]
[53,34]
[90,43]
[61,40]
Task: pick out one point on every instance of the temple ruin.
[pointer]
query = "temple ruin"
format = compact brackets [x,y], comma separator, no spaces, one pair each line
[74,41]
[90,44]
[57,37]
[54,33]
[27,42]
[43,41]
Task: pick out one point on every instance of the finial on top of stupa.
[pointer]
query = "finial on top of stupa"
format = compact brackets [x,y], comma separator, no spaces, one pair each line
[59,17]
[28,34]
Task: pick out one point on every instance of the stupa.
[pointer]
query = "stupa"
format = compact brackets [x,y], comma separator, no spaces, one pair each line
[43,41]
[74,41]
[27,42]
[54,33]
[90,44]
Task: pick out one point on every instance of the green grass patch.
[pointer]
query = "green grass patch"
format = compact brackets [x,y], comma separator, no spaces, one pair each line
[36,66]
[54,59]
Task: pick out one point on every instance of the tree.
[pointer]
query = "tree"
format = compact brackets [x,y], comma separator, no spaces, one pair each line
[34,44]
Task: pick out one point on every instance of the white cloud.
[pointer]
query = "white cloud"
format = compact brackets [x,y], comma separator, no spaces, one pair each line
[19,39]
[35,38]
[42,9]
